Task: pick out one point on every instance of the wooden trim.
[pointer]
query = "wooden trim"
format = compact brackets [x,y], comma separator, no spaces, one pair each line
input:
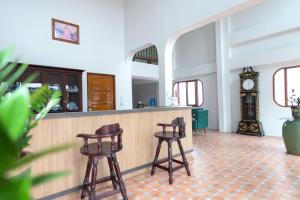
[109,75]
[68,23]
[274,88]
[187,93]
[202,93]
[91,73]
[196,91]
[53,69]
[285,88]
[285,85]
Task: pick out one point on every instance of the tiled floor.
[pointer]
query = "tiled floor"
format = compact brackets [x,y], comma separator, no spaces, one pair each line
[226,166]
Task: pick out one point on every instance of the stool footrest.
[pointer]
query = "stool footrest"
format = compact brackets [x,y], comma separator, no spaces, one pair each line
[162,167]
[167,169]
[102,180]
[178,161]
[162,161]
[107,194]
[166,160]
[178,167]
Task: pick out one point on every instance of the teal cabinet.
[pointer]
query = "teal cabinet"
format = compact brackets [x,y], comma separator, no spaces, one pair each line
[200,119]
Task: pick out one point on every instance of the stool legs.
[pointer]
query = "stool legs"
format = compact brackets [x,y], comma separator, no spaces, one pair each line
[156,157]
[119,176]
[170,162]
[186,165]
[86,178]
[94,179]
[112,173]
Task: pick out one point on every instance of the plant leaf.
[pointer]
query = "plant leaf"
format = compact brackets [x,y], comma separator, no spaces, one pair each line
[7,70]
[31,77]
[14,113]
[16,188]
[24,141]
[54,100]
[42,101]
[5,56]
[29,158]
[20,70]
[39,98]
[47,177]
[8,152]
[22,174]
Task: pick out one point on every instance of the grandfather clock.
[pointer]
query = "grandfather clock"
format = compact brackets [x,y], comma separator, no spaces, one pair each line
[249,94]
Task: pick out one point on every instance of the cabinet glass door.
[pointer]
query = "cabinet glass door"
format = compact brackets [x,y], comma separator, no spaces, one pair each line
[72,88]
[34,84]
[55,82]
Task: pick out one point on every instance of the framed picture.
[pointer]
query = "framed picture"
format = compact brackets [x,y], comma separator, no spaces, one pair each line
[65,31]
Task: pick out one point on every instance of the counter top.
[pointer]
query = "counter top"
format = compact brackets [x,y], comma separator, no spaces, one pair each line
[113,112]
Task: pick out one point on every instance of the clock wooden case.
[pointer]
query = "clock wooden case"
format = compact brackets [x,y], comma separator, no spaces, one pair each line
[249,100]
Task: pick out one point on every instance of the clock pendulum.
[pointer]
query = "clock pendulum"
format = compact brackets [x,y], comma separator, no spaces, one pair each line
[249,94]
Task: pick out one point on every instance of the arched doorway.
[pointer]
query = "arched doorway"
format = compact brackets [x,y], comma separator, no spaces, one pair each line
[145,76]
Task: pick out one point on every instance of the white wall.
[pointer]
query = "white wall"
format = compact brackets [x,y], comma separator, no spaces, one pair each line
[266,37]
[155,21]
[144,92]
[145,71]
[27,24]
[195,58]
[195,48]
[162,22]
[195,53]
[268,33]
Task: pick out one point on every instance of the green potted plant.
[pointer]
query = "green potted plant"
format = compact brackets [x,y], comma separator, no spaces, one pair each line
[20,112]
[291,128]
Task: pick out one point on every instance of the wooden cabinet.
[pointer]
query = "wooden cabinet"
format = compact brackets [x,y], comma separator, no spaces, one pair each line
[68,81]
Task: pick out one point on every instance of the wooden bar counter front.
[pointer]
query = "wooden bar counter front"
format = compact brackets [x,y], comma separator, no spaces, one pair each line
[139,143]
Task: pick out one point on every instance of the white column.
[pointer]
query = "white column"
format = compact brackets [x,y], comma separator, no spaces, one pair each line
[223,76]
[165,75]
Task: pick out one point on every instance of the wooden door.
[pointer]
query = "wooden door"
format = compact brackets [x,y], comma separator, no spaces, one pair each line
[101,92]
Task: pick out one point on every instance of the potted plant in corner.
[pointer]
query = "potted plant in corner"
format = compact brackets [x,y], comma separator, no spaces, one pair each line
[291,128]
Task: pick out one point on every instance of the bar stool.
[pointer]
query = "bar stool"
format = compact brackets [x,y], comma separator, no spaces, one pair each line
[169,137]
[99,150]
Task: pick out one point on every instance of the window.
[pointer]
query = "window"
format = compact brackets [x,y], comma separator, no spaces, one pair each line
[285,80]
[188,93]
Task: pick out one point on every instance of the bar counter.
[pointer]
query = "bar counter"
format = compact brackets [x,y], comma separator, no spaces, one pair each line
[139,143]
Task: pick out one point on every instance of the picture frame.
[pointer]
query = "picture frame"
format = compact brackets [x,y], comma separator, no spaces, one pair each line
[65,31]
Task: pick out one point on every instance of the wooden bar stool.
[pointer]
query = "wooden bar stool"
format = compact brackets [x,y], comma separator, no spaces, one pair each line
[169,137]
[99,150]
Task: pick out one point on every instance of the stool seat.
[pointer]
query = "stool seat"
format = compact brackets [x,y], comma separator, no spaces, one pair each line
[168,135]
[100,149]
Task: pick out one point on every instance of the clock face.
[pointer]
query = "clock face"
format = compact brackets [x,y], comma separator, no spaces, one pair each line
[248,84]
